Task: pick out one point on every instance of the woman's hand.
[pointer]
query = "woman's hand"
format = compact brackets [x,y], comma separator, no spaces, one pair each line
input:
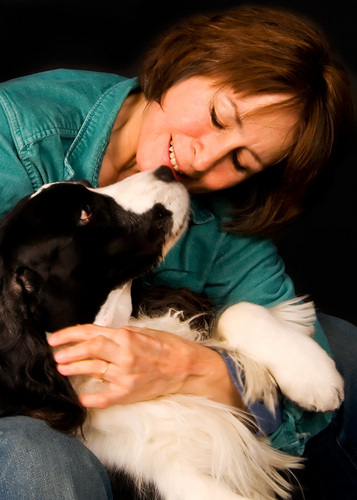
[141,364]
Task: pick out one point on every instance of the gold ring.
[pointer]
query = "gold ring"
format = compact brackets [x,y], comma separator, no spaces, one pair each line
[101,378]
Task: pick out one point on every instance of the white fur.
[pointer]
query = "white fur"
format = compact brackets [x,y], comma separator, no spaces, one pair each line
[193,448]
[116,310]
[190,447]
[141,194]
[279,341]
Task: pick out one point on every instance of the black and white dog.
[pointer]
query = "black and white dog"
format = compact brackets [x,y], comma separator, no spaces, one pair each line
[68,255]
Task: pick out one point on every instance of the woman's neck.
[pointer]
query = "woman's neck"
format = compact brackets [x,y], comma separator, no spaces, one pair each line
[119,160]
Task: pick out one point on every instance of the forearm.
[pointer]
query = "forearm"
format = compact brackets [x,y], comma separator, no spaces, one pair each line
[207,375]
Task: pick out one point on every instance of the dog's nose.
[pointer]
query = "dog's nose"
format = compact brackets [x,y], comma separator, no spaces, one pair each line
[164,174]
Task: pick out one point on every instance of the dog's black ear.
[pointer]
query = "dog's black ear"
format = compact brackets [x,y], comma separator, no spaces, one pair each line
[26,286]
[28,279]
[30,383]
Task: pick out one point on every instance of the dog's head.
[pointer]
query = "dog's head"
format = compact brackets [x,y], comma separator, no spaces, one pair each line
[63,249]
[66,247]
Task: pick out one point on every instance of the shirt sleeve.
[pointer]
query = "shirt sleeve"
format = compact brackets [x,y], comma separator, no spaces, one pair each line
[250,269]
[15,183]
[266,421]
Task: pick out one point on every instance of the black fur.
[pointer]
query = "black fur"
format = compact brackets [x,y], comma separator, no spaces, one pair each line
[154,302]
[48,245]
[125,488]
[61,252]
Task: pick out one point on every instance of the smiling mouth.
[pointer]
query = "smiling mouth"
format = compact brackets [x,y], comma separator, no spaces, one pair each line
[173,160]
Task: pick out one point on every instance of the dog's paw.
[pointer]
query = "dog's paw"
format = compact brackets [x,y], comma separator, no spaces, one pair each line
[279,339]
[313,383]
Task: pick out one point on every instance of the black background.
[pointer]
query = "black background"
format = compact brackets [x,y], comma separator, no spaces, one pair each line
[319,250]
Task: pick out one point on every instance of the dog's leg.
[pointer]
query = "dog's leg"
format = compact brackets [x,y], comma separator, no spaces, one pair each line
[279,340]
[116,310]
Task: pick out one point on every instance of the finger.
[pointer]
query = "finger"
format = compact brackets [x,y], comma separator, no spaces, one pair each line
[97,368]
[79,333]
[113,395]
[72,334]
[98,400]
[98,347]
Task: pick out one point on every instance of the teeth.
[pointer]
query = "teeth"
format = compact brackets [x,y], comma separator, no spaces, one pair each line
[173,159]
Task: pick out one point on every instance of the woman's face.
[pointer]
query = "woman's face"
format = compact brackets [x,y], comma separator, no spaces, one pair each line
[206,136]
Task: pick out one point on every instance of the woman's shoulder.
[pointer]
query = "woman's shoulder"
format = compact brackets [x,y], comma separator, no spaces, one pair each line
[57,89]
[60,77]
[52,101]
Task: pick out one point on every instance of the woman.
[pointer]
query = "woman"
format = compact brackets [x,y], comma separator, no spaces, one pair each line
[252,95]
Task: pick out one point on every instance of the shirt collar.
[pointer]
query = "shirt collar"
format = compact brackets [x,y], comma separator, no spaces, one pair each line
[200,213]
[209,206]
[84,157]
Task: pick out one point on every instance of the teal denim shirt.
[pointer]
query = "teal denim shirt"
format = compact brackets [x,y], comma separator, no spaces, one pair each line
[56,126]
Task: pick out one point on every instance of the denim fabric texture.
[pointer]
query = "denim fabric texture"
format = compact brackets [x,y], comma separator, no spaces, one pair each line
[331,456]
[56,126]
[38,463]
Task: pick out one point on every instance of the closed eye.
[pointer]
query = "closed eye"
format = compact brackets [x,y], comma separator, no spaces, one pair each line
[236,162]
[216,122]
[215,119]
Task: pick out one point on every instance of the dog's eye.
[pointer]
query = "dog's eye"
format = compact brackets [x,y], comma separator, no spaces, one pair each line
[85,216]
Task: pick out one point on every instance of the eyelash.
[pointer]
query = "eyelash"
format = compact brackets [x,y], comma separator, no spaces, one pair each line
[236,163]
[218,125]
[215,120]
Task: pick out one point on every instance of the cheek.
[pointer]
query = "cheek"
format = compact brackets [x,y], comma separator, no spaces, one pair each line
[142,153]
[151,140]
[224,176]
[219,180]
[186,115]
[147,157]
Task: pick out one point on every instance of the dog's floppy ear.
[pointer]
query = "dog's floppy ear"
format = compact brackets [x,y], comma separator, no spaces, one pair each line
[30,383]
[28,279]
[26,284]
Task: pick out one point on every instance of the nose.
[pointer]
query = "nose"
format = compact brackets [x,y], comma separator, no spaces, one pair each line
[203,163]
[164,174]
[208,153]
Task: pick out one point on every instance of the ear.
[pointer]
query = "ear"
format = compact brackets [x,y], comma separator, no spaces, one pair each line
[28,280]
[26,285]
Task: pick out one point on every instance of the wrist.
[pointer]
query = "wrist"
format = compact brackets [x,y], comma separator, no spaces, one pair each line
[208,376]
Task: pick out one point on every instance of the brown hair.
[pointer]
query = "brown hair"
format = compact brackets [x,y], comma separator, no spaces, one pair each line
[257,50]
